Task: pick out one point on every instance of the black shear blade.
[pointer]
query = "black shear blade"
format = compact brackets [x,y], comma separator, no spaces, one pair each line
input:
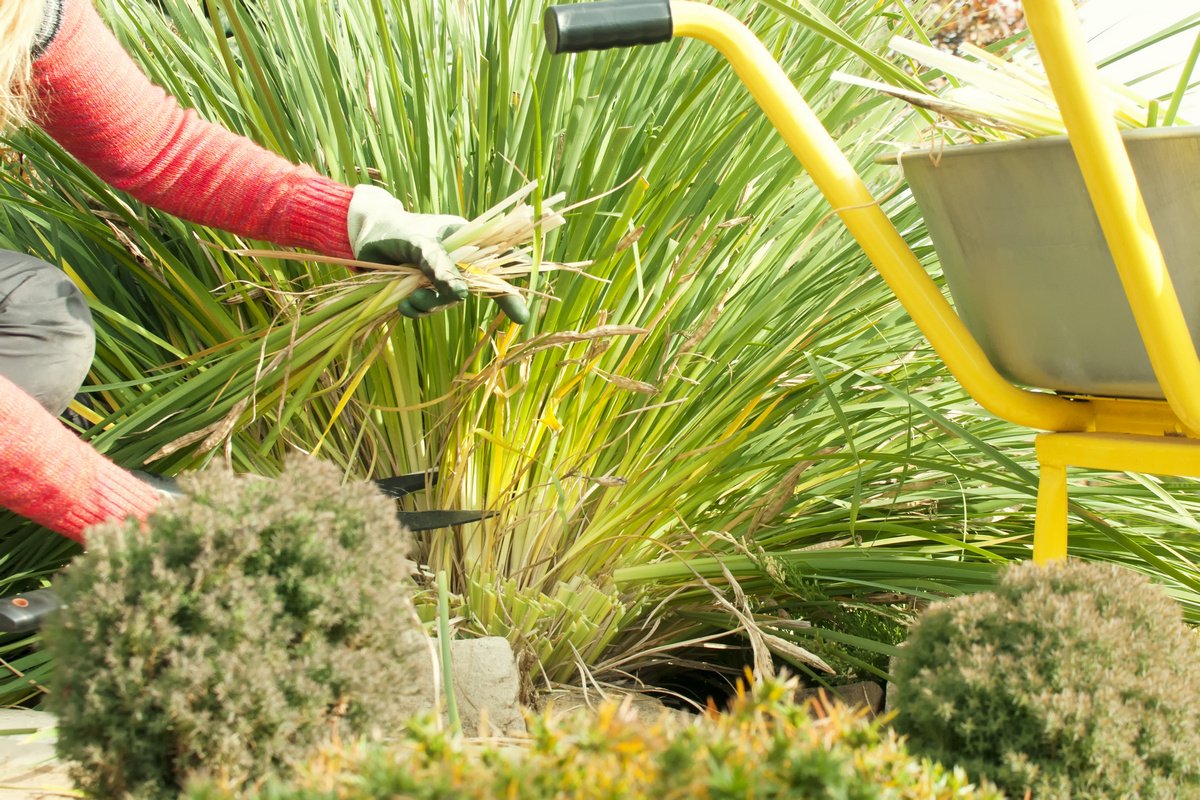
[400,485]
[432,520]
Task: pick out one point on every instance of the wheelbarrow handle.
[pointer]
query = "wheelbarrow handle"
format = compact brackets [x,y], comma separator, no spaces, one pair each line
[611,23]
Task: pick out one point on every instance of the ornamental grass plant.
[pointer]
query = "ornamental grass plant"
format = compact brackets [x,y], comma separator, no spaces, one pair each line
[1002,92]
[723,423]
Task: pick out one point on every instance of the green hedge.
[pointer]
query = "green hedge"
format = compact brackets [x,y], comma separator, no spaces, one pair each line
[765,747]
[1076,680]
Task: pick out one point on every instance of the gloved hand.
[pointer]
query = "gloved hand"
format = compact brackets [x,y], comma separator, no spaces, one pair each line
[381,230]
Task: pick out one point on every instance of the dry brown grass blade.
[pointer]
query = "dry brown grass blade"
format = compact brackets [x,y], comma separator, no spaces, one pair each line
[211,435]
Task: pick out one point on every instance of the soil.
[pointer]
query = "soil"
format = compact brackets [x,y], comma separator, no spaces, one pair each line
[568,700]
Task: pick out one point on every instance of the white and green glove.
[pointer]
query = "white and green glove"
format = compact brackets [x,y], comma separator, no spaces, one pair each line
[381,230]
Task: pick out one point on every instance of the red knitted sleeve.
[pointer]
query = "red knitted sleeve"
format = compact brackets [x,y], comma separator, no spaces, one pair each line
[95,101]
[51,476]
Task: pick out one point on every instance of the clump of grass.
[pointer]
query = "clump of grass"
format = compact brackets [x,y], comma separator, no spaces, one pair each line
[766,386]
[984,96]
[348,318]
[765,746]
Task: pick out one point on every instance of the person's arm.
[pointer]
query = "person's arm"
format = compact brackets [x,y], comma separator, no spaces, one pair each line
[97,103]
[51,476]
[100,107]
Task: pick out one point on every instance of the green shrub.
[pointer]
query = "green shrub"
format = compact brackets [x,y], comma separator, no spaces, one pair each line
[765,747]
[244,627]
[1076,680]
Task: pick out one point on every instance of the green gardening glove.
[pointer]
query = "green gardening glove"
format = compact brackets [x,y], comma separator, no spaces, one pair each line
[381,230]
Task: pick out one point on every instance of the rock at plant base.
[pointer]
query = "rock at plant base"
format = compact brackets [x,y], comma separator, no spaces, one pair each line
[889,690]
[866,694]
[28,766]
[487,686]
[569,700]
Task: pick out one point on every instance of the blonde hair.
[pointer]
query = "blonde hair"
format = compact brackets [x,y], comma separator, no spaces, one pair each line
[20,21]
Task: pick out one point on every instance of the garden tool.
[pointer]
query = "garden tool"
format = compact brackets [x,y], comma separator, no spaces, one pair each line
[25,612]
[1156,430]
[417,521]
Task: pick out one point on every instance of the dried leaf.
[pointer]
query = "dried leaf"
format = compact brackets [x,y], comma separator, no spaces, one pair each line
[630,238]
[211,435]
[607,481]
[628,384]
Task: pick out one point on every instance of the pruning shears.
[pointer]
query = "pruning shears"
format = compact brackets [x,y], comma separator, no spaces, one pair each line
[25,612]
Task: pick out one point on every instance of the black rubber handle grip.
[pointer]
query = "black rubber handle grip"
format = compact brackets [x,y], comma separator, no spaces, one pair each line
[610,23]
[23,613]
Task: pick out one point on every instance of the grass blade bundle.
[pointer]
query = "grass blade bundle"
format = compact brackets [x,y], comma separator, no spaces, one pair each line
[347,321]
[989,97]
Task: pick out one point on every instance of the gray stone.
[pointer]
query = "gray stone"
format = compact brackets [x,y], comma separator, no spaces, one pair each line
[889,694]
[28,766]
[867,694]
[571,700]
[487,686]
[417,694]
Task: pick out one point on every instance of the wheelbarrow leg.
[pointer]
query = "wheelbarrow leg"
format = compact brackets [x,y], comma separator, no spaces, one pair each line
[1050,527]
[1111,452]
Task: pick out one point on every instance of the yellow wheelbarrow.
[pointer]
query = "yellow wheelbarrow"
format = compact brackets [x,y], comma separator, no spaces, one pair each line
[1149,425]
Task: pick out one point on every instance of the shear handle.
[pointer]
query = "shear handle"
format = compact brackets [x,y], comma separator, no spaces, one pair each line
[23,613]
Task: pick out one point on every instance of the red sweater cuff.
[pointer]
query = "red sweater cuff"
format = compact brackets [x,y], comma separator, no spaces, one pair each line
[52,477]
[316,219]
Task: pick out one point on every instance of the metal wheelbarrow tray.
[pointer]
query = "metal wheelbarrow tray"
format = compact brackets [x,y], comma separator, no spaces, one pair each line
[1027,265]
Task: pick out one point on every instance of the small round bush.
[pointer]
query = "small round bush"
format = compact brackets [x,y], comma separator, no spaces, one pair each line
[1073,680]
[243,628]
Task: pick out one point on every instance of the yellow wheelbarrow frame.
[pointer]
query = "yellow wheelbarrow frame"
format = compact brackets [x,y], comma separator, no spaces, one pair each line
[1115,434]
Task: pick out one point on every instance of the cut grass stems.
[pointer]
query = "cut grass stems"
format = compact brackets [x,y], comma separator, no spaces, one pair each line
[490,250]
